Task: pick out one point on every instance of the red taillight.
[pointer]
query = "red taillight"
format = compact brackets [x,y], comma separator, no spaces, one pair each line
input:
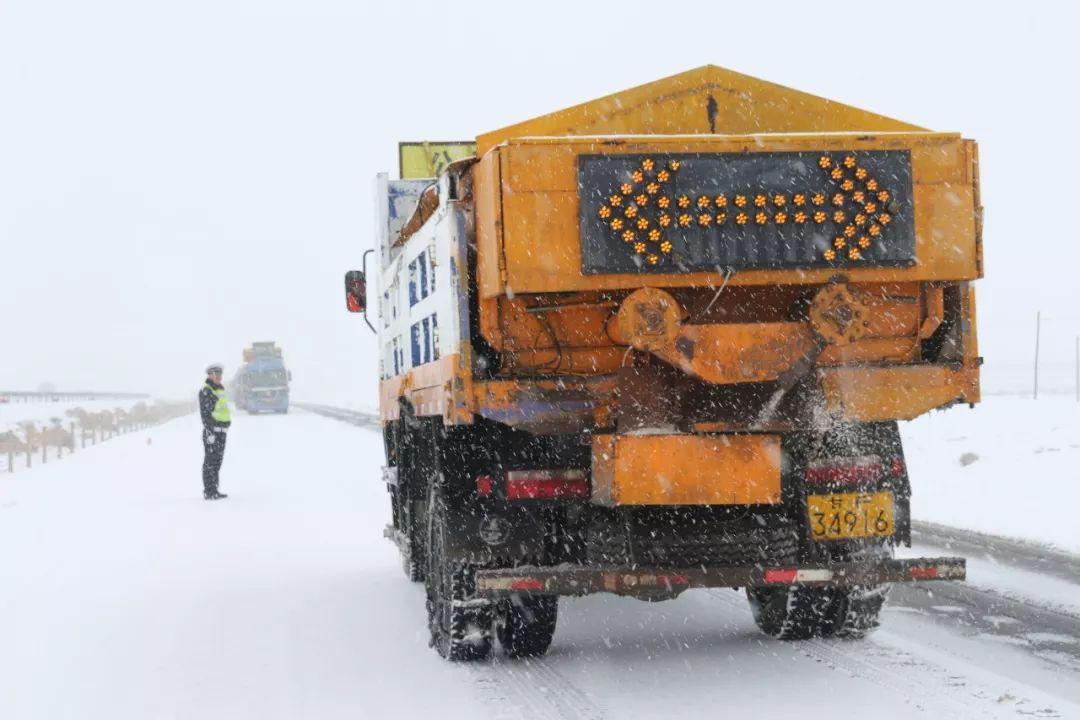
[526,584]
[485,485]
[924,573]
[849,471]
[781,576]
[897,466]
[546,484]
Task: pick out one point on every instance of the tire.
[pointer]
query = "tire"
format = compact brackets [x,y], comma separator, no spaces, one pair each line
[411,499]
[460,623]
[861,610]
[525,624]
[792,613]
[412,555]
[799,612]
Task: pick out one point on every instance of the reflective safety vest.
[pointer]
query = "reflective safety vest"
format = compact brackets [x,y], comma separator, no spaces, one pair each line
[221,411]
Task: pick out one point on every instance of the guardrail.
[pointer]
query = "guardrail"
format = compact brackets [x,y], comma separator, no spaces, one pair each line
[353,417]
[21,396]
[30,439]
[1021,553]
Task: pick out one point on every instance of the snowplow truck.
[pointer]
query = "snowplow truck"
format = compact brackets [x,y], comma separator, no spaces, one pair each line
[661,341]
[261,384]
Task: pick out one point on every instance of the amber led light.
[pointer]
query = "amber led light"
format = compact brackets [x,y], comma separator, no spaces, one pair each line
[629,212]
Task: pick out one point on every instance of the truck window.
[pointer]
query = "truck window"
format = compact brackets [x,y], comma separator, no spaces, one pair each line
[412,284]
[416,344]
[421,263]
[427,339]
[434,336]
[431,269]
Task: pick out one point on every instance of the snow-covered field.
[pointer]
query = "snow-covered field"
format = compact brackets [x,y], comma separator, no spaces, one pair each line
[124,595]
[11,414]
[1010,466]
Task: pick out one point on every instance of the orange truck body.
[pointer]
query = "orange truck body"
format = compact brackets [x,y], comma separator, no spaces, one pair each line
[662,340]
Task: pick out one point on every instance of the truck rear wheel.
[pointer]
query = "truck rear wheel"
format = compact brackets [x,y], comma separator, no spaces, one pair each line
[525,624]
[799,613]
[460,623]
[405,445]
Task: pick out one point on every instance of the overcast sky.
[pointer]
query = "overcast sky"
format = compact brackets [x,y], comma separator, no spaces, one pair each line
[180,179]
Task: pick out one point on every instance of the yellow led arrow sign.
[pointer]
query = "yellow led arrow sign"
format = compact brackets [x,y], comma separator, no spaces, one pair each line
[851,205]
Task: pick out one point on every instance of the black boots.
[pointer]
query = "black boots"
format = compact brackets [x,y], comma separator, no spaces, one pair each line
[214,495]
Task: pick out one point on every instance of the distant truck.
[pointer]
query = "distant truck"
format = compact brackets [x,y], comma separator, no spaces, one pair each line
[661,341]
[261,384]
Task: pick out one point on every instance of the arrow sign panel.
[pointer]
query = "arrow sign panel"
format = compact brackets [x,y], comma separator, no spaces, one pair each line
[709,211]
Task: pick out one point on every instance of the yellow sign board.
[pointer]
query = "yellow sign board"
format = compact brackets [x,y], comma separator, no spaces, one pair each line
[428,159]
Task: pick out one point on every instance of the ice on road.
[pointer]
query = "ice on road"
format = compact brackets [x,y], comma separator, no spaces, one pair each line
[124,595]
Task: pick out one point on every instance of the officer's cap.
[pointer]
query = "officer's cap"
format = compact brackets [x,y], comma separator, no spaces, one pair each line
[215,367]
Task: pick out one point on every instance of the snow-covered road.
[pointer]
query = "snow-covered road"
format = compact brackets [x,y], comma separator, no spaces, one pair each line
[124,595]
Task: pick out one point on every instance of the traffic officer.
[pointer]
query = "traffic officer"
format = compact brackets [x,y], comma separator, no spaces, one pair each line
[216,418]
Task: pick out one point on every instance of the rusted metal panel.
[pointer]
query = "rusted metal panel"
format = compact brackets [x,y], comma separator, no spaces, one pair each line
[743,352]
[425,386]
[901,392]
[728,353]
[426,206]
[650,581]
[934,299]
[487,196]
[544,405]
[603,470]
[667,469]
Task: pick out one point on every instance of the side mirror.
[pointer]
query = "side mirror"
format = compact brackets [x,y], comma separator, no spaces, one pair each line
[289,376]
[355,291]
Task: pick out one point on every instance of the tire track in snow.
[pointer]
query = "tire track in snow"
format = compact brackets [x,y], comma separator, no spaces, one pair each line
[927,687]
[536,689]
[1044,632]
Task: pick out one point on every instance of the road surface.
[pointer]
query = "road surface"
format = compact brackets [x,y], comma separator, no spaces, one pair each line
[124,595]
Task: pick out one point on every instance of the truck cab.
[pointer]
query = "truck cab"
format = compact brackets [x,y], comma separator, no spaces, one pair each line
[261,384]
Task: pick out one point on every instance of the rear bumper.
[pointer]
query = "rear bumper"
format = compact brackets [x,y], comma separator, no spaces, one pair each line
[268,404]
[581,580]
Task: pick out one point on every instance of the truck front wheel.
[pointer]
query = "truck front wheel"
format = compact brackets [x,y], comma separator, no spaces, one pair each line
[525,624]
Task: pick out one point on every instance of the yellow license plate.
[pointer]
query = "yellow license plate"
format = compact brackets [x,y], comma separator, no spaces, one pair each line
[851,515]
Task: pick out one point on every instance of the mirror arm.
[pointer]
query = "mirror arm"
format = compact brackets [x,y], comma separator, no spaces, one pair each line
[364,267]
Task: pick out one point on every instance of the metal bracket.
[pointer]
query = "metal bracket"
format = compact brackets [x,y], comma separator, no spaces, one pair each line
[390,475]
[363,266]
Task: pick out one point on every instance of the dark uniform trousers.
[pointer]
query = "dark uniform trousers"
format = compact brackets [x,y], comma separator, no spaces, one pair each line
[213,455]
